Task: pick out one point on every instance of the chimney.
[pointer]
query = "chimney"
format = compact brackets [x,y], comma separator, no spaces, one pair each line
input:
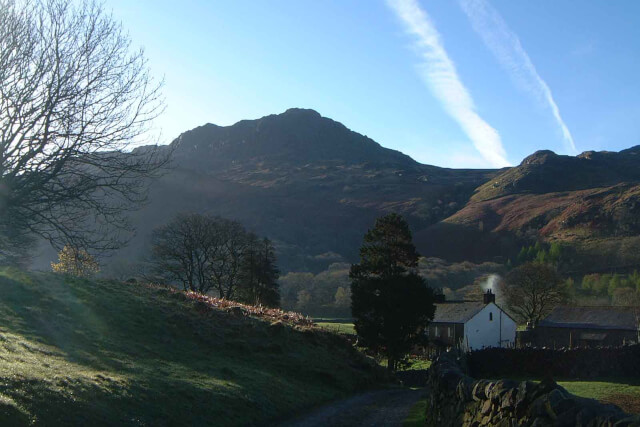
[488,297]
[439,298]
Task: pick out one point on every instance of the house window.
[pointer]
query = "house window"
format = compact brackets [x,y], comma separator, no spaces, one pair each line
[426,332]
[449,332]
[490,317]
[436,331]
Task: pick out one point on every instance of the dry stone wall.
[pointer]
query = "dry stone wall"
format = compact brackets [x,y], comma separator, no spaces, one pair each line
[456,399]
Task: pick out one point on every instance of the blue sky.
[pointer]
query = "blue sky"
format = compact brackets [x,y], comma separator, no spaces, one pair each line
[468,83]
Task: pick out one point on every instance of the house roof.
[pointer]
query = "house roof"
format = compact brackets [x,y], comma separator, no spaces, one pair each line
[605,317]
[457,311]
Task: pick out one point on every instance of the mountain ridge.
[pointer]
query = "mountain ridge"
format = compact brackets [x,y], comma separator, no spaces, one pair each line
[314,186]
[546,171]
[590,203]
[308,137]
[304,180]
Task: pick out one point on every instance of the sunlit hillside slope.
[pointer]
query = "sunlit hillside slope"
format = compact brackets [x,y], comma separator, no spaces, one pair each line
[80,352]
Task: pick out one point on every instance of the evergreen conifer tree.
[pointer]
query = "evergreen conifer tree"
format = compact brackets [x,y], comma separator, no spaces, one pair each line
[391,304]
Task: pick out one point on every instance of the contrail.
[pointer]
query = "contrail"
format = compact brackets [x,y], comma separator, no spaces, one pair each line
[439,73]
[506,47]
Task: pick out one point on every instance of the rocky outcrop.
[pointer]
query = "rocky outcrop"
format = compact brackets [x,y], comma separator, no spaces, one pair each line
[456,399]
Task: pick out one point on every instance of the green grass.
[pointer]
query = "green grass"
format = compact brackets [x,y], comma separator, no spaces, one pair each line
[623,393]
[345,326]
[416,415]
[413,363]
[338,325]
[417,364]
[85,352]
[340,328]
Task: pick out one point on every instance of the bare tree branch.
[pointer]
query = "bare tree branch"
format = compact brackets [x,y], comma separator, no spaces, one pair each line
[74,98]
[533,290]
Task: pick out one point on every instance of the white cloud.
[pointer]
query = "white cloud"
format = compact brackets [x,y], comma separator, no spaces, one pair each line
[440,75]
[506,47]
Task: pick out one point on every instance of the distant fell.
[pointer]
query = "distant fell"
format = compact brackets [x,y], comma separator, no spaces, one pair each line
[296,137]
[545,172]
[589,203]
[305,181]
[315,187]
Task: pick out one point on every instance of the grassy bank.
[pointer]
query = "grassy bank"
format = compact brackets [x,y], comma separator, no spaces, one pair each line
[94,353]
[416,417]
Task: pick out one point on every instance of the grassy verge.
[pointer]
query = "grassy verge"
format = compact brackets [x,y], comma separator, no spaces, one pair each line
[416,417]
[80,352]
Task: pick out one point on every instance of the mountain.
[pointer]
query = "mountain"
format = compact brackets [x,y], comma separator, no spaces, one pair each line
[314,187]
[305,181]
[590,202]
[548,172]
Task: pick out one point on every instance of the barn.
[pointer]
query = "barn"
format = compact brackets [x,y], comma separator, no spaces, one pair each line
[471,325]
[577,326]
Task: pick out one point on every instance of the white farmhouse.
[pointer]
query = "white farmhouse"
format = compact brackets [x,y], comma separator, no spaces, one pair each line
[471,325]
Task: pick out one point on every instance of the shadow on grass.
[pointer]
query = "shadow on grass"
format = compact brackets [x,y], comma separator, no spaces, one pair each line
[82,352]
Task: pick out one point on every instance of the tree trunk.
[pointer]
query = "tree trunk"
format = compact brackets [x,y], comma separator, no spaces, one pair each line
[391,364]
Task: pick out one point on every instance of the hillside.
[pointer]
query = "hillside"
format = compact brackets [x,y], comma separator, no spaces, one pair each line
[304,180]
[591,203]
[314,187]
[104,353]
[547,172]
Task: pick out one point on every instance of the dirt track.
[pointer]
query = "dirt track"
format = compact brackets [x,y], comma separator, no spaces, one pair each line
[375,408]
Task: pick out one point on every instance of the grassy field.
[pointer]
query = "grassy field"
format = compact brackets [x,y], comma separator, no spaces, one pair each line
[622,393]
[104,353]
[340,326]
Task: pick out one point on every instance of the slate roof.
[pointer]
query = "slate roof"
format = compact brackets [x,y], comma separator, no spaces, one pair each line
[624,318]
[457,311]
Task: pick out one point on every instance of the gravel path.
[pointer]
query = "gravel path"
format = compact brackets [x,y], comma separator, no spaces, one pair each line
[375,408]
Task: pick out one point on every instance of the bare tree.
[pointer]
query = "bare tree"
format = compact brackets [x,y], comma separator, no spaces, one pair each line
[259,273]
[206,253]
[227,262]
[74,97]
[532,290]
[182,251]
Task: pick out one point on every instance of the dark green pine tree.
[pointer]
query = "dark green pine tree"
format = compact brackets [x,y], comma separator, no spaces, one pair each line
[391,304]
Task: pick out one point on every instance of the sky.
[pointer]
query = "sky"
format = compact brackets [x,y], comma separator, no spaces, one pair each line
[456,83]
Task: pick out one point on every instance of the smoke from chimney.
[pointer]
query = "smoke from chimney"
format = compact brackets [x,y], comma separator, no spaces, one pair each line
[491,282]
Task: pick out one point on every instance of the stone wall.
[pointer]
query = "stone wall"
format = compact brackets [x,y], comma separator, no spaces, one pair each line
[578,363]
[456,399]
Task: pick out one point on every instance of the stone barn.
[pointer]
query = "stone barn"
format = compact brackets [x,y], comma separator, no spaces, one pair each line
[471,325]
[568,326]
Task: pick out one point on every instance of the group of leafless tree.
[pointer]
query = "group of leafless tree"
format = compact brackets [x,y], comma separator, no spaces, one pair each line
[74,100]
[211,254]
